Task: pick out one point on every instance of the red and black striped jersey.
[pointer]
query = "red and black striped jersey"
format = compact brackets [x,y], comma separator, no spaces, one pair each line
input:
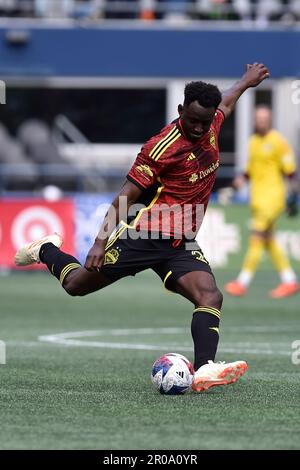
[177,177]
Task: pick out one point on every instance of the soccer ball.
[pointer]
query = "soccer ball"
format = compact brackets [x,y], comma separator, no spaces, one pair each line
[172,374]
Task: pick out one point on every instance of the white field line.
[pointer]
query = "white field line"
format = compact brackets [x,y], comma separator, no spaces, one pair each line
[72,339]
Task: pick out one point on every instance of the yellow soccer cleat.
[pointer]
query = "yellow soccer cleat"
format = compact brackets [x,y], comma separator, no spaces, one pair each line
[218,373]
[29,254]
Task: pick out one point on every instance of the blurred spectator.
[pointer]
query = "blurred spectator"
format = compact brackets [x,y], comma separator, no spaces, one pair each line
[294,8]
[215,9]
[147,10]
[70,8]
[243,8]
[268,9]
[54,8]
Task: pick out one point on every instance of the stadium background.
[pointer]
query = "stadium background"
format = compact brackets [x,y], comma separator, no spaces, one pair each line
[84,84]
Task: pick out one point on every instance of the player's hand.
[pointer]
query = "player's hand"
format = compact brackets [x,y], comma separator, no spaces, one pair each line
[292,207]
[95,257]
[255,74]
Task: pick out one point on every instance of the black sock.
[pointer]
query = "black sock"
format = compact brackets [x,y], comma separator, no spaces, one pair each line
[58,262]
[205,332]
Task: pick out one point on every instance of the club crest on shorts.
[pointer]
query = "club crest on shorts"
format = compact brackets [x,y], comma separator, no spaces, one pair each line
[112,256]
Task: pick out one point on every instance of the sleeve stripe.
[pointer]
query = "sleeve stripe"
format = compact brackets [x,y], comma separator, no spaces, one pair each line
[162,142]
[167,145]
[136,182]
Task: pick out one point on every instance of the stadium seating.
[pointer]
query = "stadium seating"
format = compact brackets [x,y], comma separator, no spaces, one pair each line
[16,169]
[41,149]
[35,136]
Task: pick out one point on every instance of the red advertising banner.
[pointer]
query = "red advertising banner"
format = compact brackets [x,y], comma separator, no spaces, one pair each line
[26,220]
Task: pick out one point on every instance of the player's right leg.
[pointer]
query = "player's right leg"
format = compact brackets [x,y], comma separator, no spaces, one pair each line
[187,272]
[75,279]
[200,288]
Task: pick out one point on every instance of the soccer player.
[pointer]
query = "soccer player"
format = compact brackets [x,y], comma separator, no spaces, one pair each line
[271,159]
[177,168]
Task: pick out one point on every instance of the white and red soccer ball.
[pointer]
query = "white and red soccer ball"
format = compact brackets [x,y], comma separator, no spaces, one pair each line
[172,374]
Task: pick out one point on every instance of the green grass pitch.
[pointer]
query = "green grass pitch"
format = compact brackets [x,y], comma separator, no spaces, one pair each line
[80,396]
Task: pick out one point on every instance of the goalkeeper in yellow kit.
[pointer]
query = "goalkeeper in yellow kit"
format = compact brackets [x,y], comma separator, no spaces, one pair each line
[271,161]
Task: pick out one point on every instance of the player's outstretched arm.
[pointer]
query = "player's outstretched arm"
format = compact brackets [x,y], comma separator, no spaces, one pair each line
[118,209]
[254,75]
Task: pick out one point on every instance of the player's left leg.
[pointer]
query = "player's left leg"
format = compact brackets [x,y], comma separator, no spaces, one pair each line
[201,289]
[256,247]
[75,279]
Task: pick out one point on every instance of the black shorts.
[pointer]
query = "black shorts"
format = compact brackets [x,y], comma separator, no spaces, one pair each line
[127,257]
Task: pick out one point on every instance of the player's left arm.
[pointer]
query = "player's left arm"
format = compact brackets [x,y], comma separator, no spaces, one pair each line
[254,75]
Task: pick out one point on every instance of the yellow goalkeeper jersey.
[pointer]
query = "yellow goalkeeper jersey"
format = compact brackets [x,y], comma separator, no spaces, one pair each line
[270,159]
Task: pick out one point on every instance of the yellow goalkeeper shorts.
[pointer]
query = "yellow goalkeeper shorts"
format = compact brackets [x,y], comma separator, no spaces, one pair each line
[264,219]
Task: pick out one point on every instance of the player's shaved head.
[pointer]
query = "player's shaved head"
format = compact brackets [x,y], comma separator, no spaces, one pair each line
[263,119]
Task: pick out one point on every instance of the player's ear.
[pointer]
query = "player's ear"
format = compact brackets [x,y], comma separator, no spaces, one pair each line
[180,109]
